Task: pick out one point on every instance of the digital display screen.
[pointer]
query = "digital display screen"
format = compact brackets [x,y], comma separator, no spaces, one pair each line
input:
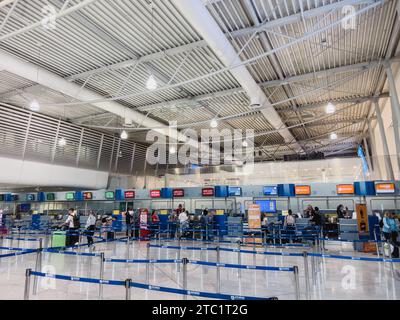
[50,197]
[25,207]
[178,193]
[207,192]
[14,197]
[303,190]
[267,206]
[345,189]
[155,194]
[110,195]
[2,197]
[270,190]
[130,194]
[87,196]
[385,188]
[30,197]
[70,196]
[235,191]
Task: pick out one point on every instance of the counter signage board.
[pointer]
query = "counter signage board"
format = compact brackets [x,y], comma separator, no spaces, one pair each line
[70,196]
[130,194]
[178,193]
[362,218]
[155,193]
[2,197]
[110,195]
[30,197]
[207,192]
[385,188]
[51,196]
[254,216]
[303,190]
[345,189]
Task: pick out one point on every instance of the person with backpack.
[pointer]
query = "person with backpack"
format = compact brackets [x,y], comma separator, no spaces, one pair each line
[290,224]
[391,231]
[73,225]
[129,221]
[90,228]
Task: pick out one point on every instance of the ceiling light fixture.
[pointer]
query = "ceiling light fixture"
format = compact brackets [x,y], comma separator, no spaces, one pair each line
[124,135]
[34,106]
[62,142]
[151,83]
[172,150]
[330,108]
[245,143]
[333,136]
[214,123]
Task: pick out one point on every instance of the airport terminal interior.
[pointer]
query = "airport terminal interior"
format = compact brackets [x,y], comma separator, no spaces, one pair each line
[199,150]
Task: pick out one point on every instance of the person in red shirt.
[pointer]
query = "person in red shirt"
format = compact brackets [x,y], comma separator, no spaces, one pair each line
[154,217]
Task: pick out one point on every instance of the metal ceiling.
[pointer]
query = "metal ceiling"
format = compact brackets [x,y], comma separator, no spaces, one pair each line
[111,47]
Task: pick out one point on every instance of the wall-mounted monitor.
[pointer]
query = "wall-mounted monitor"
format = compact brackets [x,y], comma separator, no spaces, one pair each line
[15,197]
[270,190]
[303,190]
[235,191]
[178,193]
[50,196]
[24,207]
[2,197]
[30,197]
[207,192]
[267,206]
[345,189]
[109,195]
[155,193]
[130,194]
[385,188]
[70,196]
[88,196]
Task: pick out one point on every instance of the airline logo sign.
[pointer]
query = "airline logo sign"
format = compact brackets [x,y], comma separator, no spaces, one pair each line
[155,194]
[385,188]
[303,190]
[208,192]
[345,189]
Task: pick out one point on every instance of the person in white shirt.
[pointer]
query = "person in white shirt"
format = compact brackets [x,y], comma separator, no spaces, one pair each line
[72,228]
[184,221]
[90,227]
[1,218]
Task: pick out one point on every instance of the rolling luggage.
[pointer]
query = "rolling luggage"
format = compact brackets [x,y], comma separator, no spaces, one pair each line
[59,239]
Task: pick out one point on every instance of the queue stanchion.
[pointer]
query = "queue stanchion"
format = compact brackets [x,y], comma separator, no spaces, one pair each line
[159,234]
[307,274]
[148,265]
[27,283]
[313,271]
[102,259]
[376,243]
[80,234]
[218,270]
[38,265]
[128,289]
[280,235]
[296,282]
[254,250]
[239,258]
[128,247]
[185,262]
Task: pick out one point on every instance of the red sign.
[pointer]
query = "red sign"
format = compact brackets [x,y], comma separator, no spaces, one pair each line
[178,193]
[207,192]
[87,195]
[155,193]
[130,194]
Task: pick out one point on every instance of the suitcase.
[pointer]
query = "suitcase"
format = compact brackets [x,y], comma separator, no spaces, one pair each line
[59,239]
[110,235]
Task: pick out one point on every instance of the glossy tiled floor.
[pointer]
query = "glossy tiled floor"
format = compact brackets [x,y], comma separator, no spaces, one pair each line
[329,279]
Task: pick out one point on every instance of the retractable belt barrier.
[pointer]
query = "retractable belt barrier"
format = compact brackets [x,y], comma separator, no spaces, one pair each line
[147,287]
[20,253]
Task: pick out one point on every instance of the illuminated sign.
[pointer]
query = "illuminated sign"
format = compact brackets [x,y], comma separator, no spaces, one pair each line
[70,196]
[2,197]
[270,190]
[50,197]
[30,197]
[155,193]
[303,190]
[207,192]
[130,194]
[178,193]
[87,196]
[110,195]
[385,188]
[235,191]
[345,189]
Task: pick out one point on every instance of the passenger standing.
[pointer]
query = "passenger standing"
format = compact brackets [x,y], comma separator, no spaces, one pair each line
[340,212]
[183,221]
[90,228]
[129,221]
[204,224]
[173,219]
[72,223]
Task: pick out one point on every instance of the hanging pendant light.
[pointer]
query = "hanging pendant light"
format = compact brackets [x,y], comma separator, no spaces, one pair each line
[124,135]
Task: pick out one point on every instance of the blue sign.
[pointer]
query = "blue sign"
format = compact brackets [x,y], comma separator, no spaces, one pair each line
[267,206]
[235,191]
[270,190]
[361,154]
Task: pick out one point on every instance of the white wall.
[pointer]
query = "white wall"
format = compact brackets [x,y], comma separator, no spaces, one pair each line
[25,173]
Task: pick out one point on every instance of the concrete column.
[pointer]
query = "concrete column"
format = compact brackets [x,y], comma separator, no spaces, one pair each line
[376,166]
[386,154]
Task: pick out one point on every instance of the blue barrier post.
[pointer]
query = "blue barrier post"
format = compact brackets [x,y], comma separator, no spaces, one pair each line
[27,283]
[306,273]
[38,265]
[148,265]
[128,289]
[102,259]
[296,282]
[185,262]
